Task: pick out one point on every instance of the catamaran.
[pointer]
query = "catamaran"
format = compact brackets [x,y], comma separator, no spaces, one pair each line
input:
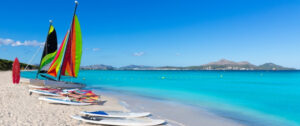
[62,62]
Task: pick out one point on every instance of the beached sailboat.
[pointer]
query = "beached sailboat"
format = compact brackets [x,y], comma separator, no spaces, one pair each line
[62,62]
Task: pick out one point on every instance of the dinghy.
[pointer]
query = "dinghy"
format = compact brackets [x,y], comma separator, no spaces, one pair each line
[119,121]
[63,101]
[116,114]
[42,92]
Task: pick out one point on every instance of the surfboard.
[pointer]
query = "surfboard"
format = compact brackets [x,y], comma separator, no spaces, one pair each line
[63,101]
[41,92]
[116,114]
[119,121]
[16,71]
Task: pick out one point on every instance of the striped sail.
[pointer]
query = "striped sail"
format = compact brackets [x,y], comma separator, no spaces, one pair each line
[55,66]
[50,49]
[68,58]
[71,64]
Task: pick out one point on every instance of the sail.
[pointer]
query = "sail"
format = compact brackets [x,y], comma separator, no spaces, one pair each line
[50,49]
[68,58]
[56,63]
[72,58]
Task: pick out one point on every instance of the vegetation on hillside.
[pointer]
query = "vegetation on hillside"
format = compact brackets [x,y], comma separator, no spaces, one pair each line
[7,65]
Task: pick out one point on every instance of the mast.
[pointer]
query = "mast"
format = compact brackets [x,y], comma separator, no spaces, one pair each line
[39,69]
[59,76]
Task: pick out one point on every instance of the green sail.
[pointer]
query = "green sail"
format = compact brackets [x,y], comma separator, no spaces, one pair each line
[50,49]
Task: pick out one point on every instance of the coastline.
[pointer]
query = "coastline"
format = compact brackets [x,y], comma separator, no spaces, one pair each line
[152,92]
[174,113]
[184,114]
[16,104]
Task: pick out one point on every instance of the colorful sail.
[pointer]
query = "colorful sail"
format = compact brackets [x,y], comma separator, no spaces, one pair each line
[72,58]
[68,57]
[50,49]
[56,63]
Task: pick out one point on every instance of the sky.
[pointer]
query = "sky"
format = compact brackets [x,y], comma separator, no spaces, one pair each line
[158,32]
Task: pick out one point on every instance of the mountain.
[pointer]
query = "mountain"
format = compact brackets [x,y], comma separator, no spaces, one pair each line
[7,65]
[97,67]
[136,67]
[272,66]
[222,64]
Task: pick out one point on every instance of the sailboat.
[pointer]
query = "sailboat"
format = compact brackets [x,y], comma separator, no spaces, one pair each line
[62,62]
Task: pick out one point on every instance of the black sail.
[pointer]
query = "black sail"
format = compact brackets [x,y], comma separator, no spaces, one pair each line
[50,49]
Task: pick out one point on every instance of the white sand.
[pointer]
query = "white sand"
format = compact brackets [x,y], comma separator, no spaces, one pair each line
[17,107]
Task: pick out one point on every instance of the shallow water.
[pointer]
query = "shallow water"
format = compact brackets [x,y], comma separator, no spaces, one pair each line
[270,96]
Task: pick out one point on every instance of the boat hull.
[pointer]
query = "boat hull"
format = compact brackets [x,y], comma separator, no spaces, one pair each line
[56,84]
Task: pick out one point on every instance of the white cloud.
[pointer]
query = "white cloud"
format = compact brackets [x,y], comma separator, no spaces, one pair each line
[138,53]
[96,49]
[11,42]
[6,41]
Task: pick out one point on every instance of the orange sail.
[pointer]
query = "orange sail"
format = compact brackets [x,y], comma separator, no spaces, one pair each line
[71,63]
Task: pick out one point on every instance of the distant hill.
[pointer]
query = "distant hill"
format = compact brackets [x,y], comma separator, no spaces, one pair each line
[135,67]
[7,65]
[272,66]
[231,65]
[222,64]
[97,67]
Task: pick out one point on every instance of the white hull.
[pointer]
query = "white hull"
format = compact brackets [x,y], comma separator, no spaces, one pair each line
[62,101]
[116,114]
[121,121]
[43,92]
[55,84]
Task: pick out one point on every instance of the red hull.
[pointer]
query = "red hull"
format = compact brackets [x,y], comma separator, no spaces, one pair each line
[16,71]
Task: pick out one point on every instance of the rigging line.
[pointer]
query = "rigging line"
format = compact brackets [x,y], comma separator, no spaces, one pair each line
[32,58]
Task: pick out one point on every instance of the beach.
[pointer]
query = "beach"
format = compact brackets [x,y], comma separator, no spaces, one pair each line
[17,107]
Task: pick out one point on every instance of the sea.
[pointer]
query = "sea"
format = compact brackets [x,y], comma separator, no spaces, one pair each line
[252,97]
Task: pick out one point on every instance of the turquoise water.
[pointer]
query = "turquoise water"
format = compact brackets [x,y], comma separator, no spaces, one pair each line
[271,96]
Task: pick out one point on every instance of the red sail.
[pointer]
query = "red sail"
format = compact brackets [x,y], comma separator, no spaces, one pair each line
[72,58]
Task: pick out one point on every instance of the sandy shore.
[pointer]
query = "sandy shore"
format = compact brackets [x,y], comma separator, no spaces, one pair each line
[176,114]
[17,107]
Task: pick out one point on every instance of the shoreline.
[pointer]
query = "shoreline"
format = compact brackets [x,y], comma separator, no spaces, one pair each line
[209,116]
[176,114]
[30,111]
[189,114]
[158,105]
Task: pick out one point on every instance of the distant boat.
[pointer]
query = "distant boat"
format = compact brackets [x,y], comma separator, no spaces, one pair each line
[62,62]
